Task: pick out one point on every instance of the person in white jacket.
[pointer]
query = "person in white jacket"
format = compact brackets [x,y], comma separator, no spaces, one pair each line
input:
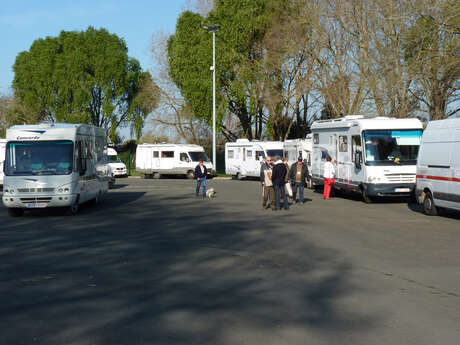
[329,173]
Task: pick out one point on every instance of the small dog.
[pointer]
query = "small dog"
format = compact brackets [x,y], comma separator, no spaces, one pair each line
[210,193]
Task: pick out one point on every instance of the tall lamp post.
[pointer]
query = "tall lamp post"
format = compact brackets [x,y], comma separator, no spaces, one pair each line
[213,29]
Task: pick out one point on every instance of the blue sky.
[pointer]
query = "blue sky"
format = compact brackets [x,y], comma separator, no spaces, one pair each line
[21,22]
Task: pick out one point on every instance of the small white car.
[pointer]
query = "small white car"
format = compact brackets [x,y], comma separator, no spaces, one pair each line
[116,167]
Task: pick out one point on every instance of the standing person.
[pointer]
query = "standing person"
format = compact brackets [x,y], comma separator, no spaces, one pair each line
[297,176]
[267,184]
[200,174]
[279,180]
[287,185]
[329,172]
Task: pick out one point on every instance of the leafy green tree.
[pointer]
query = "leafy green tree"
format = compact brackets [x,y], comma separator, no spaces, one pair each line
[238,56]
[85,77]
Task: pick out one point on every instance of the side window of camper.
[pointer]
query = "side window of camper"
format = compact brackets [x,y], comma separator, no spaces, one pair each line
[355,146]
[156,154]
[316,138]
[259,154]
[184,157]
[343,143]
[230,154]
[249,154]
[167,154]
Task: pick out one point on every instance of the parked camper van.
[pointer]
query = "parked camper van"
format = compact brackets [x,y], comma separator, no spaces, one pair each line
[54,165]
[116,167]
[438,166]
[154,160]
[243,157]
[373,156]
[2,158]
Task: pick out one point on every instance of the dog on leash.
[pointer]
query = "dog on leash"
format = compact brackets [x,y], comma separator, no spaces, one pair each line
[210,193]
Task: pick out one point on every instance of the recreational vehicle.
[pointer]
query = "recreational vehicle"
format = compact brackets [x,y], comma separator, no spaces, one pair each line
[438,166]
[243,157]
[54,165]
[373,156]
[116,167]
[154,160]
[2,158]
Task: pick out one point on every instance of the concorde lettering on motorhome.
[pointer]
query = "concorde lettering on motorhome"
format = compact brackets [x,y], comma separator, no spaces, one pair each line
[154,160]
[54,165]
[438,166]
[373,156]
[243,157]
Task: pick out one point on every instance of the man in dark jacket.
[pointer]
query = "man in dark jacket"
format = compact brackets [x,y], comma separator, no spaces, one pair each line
[279,180]
[200,174]
[297,176]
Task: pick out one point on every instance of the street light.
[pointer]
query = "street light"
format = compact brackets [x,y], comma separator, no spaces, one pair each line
[213,29]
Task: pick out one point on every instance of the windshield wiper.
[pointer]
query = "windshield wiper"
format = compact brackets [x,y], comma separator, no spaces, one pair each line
[43,172]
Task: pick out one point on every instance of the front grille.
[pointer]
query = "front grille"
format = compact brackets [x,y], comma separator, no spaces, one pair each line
[35,200]
[35,190]
[400,178]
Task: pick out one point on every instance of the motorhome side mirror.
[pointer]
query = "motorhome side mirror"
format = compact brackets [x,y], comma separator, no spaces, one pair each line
[358,159]
[82,167]
[261,158]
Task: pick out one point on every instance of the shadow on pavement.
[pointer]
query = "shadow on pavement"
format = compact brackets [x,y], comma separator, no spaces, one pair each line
[442,212]
[146,269]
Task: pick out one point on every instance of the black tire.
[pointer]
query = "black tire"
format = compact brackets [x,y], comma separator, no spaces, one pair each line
[238,177]
[156,175]
[15,212]
[190,175]
[429,208]
[72,210]
[367,199]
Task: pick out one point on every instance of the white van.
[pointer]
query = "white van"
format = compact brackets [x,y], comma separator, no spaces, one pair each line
[438,166]
[116,167]
[54,165]
[373,156]
[243,157]
[154,160]
[2,158]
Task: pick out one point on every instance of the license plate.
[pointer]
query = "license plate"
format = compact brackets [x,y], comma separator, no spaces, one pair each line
[36,205]
[402,190]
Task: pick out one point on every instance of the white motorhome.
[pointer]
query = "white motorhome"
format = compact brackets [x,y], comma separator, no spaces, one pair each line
[2,158]
[154,160]
[373,156]
[438,166]
[295,148]
[116,167]
[243,157]
[54,165]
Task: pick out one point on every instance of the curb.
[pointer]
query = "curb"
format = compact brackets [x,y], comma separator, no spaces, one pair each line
[134,176]
[222,178]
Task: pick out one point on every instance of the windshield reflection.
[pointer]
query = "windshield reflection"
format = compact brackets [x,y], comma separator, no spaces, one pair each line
[196,156]
[391,147]
[39,158]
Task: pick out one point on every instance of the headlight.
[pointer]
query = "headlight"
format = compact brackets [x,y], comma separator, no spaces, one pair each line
[65,189]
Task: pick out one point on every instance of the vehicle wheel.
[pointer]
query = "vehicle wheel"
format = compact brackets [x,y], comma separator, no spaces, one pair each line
[72,210]
[367,199]
[190,175]
[15,212]
[156,175]
[238,176]
[429,207]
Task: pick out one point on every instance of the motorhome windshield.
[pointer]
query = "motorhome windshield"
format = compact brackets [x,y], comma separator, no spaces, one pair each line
[196,156]
[114,159]
[39,158]
[275,153]
[392,147]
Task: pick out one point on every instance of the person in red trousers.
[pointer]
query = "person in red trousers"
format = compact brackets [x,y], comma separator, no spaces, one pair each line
[329,172]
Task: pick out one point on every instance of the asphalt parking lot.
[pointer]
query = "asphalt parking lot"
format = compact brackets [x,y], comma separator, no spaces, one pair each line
[153,264]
